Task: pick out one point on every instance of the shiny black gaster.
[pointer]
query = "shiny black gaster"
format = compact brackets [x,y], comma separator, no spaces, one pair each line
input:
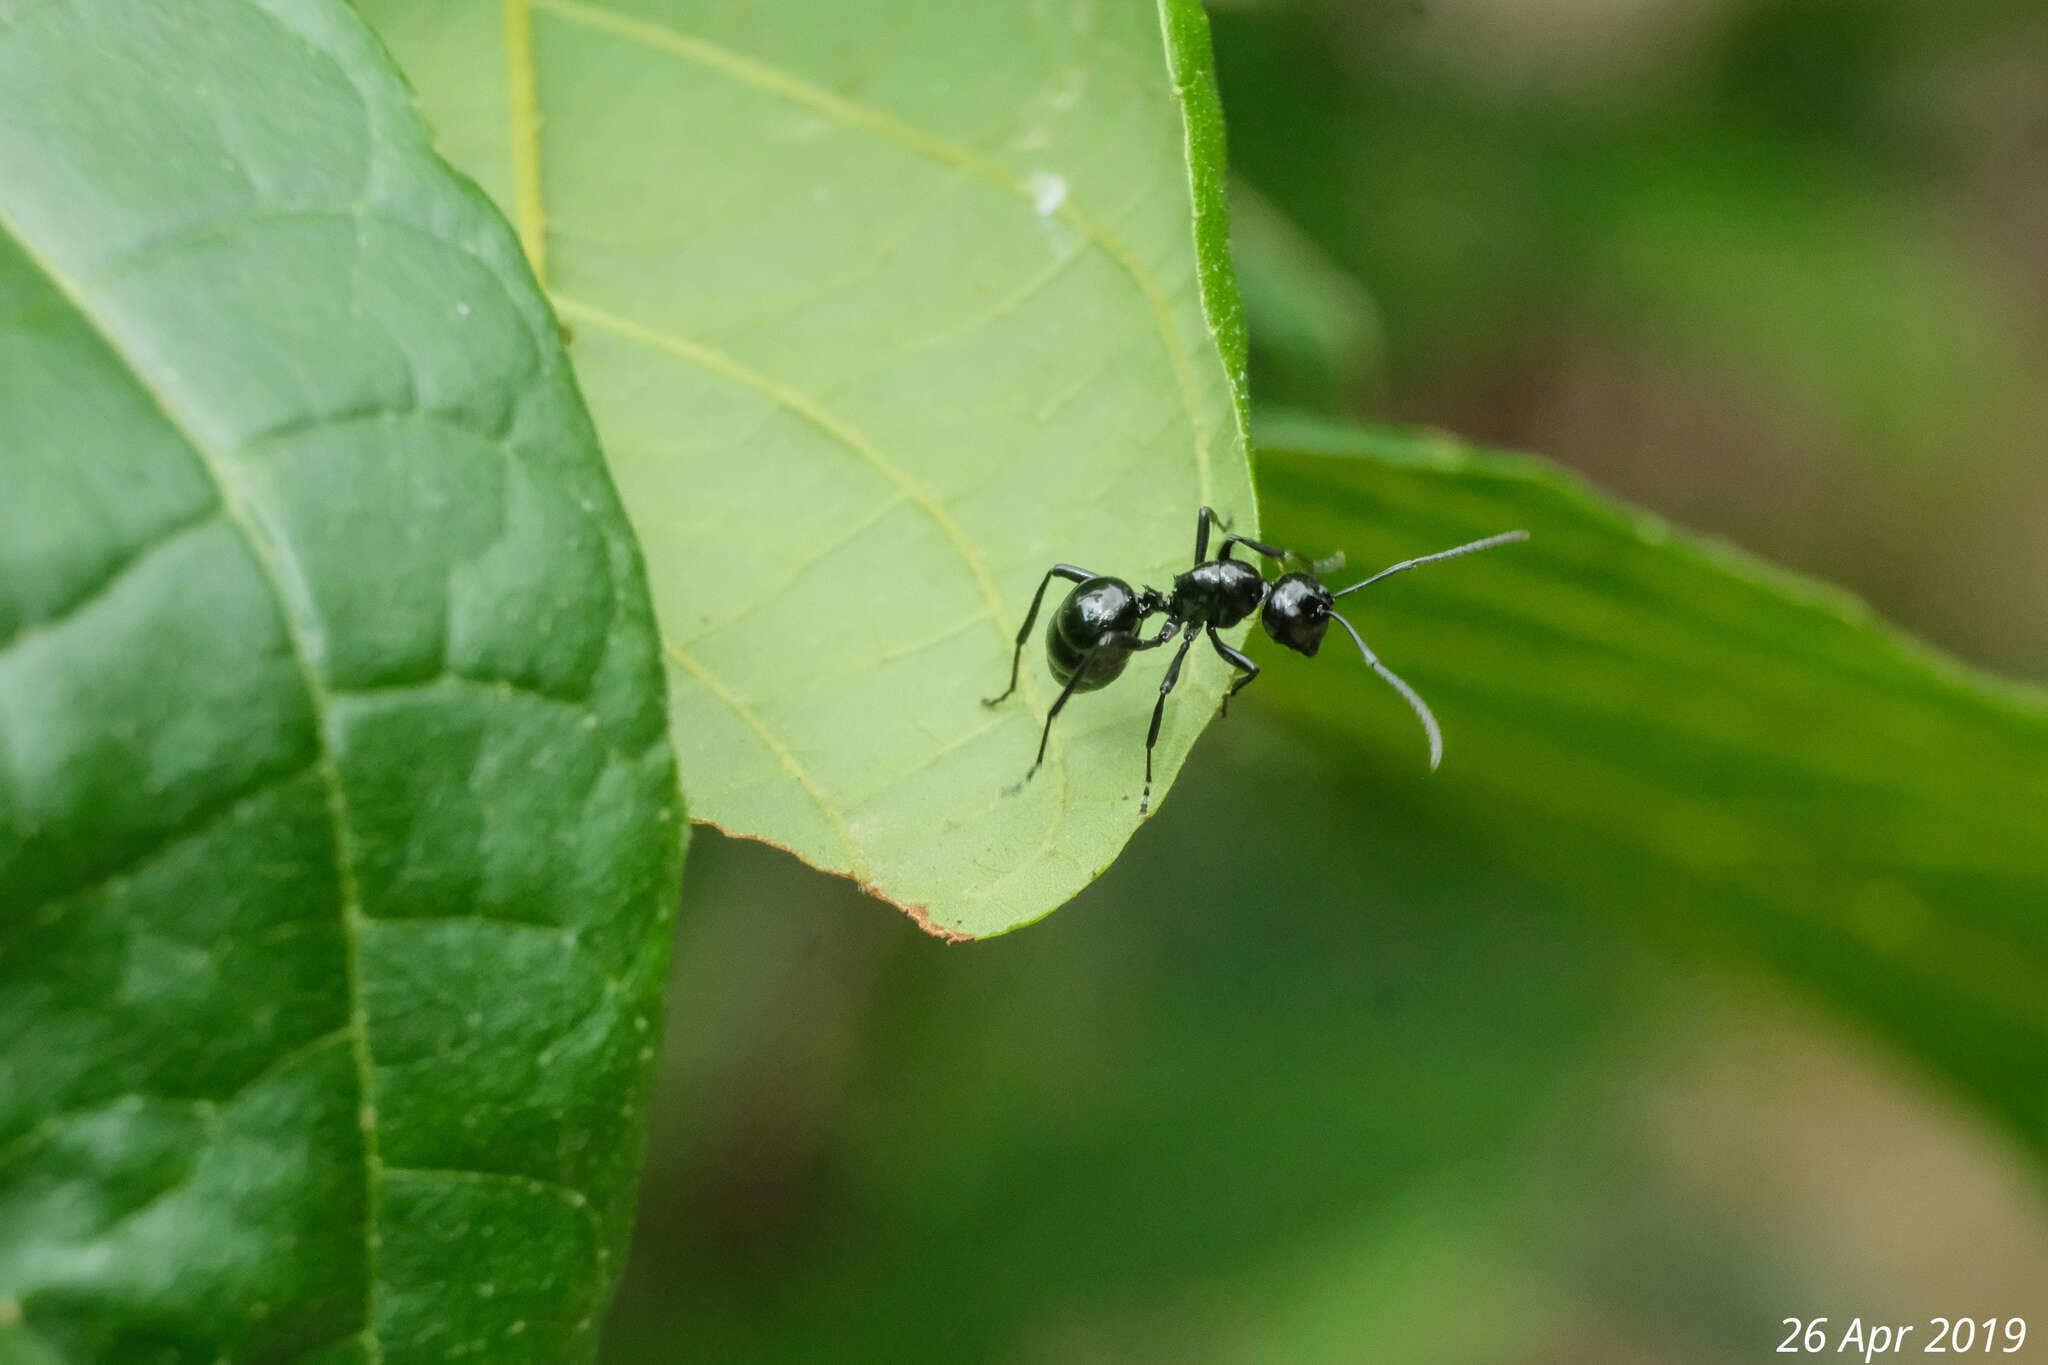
[1099,607]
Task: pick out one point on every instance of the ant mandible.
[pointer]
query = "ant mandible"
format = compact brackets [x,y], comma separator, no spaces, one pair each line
[1092,636]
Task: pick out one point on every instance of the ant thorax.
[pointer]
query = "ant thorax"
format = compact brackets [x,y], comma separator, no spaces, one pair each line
[1219,593]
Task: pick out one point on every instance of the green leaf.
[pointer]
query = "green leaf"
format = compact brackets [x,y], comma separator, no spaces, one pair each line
[1810,270]
[883,310]
[19,1348]
[1742,760]
[339,832]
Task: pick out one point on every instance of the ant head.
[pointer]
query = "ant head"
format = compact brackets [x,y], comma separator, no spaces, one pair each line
[1297,612]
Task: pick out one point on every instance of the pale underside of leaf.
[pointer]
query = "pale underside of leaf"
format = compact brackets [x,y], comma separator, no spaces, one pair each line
[882,311]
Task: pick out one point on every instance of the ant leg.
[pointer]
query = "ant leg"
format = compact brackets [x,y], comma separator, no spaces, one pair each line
[1208,515]
[1159,710]
[1273,552]
[1236,659]
[1166,633]
[1052,715]
[1066,571]
[1202,520]
[1112,640]
[1269,551]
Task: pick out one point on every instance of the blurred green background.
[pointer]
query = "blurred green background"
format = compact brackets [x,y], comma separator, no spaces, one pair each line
[1309,1075]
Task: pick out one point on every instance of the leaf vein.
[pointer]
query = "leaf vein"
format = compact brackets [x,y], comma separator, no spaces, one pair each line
[794,572]
[857,863]
[206,1109]
[568,1194]
[876,123]
[56,907]
[817,415]
[911,488]
[164,537]
[263,554]
[523,101]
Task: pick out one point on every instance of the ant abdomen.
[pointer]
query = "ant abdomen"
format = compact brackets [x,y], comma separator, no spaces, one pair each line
[1095,608]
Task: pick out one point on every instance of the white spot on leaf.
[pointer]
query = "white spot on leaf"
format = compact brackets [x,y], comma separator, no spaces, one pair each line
[1048,192]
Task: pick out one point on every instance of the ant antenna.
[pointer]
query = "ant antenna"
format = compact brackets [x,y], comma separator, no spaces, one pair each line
[1408,694]
[1505,538]
[1421,707]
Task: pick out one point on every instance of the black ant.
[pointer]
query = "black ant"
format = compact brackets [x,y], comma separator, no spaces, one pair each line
[1092,636]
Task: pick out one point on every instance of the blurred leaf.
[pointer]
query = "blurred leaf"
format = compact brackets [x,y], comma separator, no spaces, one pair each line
[338,824]
[17,1347]
[1740,759]
[1797,278]
[1303,1048]
[1316,337]
[883,310]
[1774,252]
